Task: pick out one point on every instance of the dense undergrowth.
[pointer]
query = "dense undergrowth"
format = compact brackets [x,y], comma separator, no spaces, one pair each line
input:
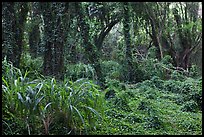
[155,107]
[34,104]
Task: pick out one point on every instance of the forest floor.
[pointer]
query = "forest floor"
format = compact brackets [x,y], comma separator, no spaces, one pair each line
[146,109]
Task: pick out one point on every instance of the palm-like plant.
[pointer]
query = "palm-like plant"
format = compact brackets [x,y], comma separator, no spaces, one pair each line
[77,102]
[40,102]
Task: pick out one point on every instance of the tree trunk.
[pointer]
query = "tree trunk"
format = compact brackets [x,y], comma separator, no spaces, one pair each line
[20,22]
[126,29]
[185,43]
[91,53]
[54,39]
[8,26]
[47,64]
[16,22]
[34,35]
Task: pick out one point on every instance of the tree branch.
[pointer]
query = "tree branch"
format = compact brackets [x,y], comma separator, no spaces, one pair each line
[104,32]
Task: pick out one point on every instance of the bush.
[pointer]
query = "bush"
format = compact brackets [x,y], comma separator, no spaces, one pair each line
[36,105]
[114,84]
[190,106]
[80,70]
[111,69]
[29,64]
[143,105]
[173,86]
[154,122]
[175,75]
[194,71]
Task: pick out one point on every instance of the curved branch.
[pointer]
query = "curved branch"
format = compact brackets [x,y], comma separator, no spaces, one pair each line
[104,32]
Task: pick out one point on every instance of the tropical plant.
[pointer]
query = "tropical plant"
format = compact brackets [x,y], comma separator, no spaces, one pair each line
[35,104]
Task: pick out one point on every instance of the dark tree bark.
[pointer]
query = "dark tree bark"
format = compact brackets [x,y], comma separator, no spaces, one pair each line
[90,49]
[157,21]
[8,25]
[20,23]
[54,39]
[17,21]
[34,41]
[59,50]
[34,35]
[126,29]
[104,33]
[93,51]
[48,38]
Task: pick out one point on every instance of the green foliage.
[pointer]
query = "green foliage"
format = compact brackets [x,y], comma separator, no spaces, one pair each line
[30,64]
[188,89]
[48,106]
[194,71]
[175,75]
[189,106]
[167,60]
[150,69]
[157,100]
[113,84]
[152,52]
[37,104]
[154,122]
[80,70]
[151,108]
[76,103]
[111,69]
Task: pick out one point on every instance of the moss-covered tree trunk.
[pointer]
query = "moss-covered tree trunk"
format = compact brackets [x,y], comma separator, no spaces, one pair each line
[8,25]
[20,19]
[127,37]
[34,34]
[90,49]
[53,39]
[15,21]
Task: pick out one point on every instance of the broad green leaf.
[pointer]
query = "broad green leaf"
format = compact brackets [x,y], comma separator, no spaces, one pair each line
[37,102]
[80,117]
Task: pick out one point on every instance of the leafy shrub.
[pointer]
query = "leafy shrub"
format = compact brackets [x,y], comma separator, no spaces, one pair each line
[167,60]
[157,82]
[121,101]
[194,71]
[175,75]
[173,86]
[153,67]
[152,52]
[138,73]
[110,94]
[111,69]
[114,84]
[80,70]
[193,91]
[143,105]
[190,106]
[38,104]
[29,64]
[154,122]
[151,94]
[149,68]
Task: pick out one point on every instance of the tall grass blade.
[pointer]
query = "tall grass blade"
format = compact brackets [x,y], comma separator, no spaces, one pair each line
[8,126]
[20,97]
[94,111]
[80,117]
[37,102]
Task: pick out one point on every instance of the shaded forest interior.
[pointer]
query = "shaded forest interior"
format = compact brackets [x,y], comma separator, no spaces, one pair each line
[90,53]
